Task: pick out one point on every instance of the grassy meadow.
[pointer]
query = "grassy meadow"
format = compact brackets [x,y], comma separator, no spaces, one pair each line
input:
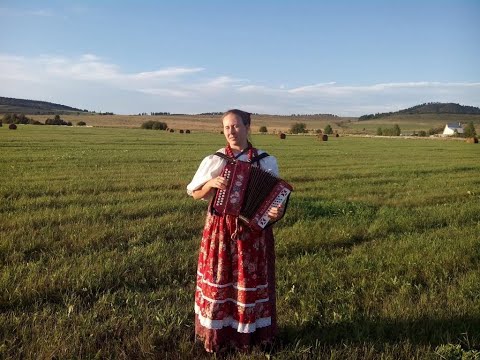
[378,255]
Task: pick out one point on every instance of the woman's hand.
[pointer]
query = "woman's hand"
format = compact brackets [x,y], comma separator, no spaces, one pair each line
[219,183]
[276,213]
[205,191]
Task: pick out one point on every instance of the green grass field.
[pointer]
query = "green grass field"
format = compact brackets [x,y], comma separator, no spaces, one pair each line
[377,257]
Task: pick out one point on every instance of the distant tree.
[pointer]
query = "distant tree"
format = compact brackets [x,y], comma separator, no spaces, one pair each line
[7,118]
[16,119]
[396,130]
[147,124]
[155,125]
[81,123]
[433,131]
[393,131]
[379,131]
[422,133]
[57,121]
[328,129]
[22,119]
[469,130]
[263,129]
[298,128]
[159,125]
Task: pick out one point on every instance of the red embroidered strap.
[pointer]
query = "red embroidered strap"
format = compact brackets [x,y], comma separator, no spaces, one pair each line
[252,152]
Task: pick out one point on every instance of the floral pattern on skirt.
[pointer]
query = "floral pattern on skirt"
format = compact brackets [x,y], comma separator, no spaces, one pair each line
[235,293]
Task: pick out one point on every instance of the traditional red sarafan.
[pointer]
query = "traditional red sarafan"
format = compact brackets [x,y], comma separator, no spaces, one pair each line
[235,293]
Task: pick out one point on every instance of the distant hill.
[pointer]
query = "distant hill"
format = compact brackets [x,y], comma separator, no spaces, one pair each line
[12,105]
[428,108]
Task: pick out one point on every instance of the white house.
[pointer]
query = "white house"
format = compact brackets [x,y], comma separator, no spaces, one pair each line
[452,129]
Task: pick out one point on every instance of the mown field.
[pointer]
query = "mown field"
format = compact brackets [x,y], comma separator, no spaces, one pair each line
[204,123]
[377,257]
[275,123]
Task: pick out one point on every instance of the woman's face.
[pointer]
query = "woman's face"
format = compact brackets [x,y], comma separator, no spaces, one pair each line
[235,132]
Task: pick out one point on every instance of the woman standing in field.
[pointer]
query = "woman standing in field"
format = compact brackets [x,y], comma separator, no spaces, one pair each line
[235,293]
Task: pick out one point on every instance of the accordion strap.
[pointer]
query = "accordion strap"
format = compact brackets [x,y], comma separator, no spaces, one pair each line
[255,159]
[225,157]
[259,157]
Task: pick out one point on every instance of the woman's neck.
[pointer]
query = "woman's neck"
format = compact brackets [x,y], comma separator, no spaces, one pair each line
[239,148]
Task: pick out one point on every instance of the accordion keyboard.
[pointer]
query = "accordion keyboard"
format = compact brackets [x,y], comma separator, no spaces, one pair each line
[220,200]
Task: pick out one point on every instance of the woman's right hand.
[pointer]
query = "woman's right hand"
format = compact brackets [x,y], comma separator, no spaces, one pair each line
[219,183]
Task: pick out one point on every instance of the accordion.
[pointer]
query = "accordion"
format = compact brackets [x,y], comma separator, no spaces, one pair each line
[250,193]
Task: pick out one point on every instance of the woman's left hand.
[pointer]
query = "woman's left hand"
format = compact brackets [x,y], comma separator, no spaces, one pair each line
[276,213]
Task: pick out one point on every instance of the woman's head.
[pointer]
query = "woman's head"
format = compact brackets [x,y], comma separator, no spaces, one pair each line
[236,125]
[243,115]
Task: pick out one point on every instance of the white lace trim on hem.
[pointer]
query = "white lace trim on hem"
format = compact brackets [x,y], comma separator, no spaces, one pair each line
[229,321]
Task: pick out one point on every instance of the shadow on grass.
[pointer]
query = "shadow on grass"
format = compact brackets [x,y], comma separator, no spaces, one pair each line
[301,249]
[423,331]
[303,208]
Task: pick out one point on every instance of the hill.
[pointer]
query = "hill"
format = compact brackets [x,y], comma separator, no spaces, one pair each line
[428,108]
[12,105]
[417,118]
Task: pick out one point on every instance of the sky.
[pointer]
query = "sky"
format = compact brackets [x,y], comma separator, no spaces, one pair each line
[347,58]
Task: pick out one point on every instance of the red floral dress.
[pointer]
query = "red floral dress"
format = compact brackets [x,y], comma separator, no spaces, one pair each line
[235,292]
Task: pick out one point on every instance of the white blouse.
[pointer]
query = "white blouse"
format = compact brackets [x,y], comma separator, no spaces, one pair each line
[212,166]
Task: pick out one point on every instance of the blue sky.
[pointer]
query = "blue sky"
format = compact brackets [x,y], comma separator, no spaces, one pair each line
[280,57]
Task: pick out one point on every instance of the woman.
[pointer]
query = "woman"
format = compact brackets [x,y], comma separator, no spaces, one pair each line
[235,293]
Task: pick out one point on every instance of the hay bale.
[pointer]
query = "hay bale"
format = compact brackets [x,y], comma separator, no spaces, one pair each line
[324,137]
[12,127]
[187,131]
[472,140]
[171,130]
[181,131]
[282,136]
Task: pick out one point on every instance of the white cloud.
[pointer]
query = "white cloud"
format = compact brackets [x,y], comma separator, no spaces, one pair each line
[311,88]
[164,73]
[256,89]
[222,82]
[167,92]
[92,82]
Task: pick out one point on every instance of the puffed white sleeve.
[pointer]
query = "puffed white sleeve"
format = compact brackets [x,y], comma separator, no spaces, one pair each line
[270,164]
[209,168]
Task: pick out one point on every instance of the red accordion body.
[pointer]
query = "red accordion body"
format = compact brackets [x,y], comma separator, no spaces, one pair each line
[250,193]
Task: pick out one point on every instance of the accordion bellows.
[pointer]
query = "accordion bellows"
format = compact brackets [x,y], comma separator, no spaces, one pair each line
[250,193]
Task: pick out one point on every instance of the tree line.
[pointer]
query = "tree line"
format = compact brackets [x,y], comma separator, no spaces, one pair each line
[301,128]
[25,120]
